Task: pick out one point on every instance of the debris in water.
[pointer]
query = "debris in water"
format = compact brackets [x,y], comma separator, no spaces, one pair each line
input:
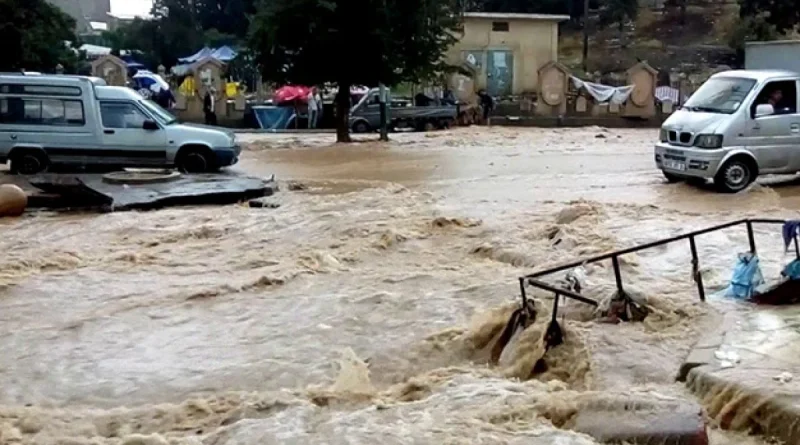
[784,377]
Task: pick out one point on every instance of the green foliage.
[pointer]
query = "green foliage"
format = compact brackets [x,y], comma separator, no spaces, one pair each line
[748,29]
[181,27]
[781,14]
[618,11]
[351,42]
[34,34]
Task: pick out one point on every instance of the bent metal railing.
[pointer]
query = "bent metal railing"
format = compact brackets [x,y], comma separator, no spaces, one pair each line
[534,278]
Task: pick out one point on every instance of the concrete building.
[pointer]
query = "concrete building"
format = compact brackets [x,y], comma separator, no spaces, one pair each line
[91,16]
[506,50]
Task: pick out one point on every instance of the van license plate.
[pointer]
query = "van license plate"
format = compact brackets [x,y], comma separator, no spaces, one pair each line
[675,165]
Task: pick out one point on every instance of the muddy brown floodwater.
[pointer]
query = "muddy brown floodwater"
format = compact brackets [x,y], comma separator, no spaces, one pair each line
[357,312]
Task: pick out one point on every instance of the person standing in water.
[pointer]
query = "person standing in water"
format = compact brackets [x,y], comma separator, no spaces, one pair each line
[312,108]
[487,104]
[209,106]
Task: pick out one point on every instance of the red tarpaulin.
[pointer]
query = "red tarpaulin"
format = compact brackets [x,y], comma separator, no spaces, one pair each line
[291,93]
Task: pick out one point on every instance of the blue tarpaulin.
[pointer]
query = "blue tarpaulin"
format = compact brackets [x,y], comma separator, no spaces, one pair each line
[274,118]
[746,277]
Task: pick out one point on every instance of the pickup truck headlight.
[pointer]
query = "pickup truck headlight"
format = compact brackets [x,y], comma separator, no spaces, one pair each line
[663,135]
[708,141]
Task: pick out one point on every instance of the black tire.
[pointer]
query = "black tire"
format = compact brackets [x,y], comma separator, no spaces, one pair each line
[29,162]
[735,175]
[195,160]
[671,178]
[361,127]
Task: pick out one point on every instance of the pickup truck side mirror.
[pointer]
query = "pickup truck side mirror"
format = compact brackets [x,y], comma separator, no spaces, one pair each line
[150,125]
[764,110]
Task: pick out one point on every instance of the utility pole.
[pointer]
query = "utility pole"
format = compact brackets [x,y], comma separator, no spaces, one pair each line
[585,36]
[382,96]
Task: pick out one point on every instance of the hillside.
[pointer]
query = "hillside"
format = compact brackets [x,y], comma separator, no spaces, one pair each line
[696,44]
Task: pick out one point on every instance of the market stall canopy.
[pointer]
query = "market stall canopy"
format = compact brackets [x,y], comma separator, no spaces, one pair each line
[223,54]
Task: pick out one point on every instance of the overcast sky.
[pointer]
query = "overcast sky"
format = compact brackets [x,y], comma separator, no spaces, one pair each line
[131,7]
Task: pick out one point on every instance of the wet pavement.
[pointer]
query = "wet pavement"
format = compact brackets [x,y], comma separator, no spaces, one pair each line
[356,310]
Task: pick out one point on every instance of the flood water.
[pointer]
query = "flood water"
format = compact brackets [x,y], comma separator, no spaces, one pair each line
[354,312]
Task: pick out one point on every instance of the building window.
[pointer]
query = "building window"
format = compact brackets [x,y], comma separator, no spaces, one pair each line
[500,26]
[52,112]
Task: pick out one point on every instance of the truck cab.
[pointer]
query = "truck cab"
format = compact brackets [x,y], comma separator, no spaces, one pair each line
[738,125]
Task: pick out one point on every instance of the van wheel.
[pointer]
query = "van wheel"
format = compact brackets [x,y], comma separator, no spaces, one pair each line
[671,178]
[28,162]
[735,175]
[195,160]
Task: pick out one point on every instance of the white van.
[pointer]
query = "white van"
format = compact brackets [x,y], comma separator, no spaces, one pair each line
[56,120]
[736,126]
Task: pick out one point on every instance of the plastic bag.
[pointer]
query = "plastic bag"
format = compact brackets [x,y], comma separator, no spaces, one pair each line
[746,277]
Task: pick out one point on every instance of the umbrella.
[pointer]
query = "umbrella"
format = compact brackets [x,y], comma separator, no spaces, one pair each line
[291,93]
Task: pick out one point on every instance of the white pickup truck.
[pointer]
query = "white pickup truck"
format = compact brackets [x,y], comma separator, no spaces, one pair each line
[73,120]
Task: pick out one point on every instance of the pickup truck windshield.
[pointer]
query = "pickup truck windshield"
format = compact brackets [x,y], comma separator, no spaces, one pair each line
[164,117]
[720,95]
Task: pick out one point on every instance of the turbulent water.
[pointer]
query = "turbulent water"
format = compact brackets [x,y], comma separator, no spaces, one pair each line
[362,309]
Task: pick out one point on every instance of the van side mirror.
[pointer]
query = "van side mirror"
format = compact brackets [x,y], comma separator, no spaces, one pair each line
[764,110]
[150,125]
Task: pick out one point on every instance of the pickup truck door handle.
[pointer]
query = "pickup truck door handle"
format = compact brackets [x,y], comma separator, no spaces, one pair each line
[756,127]
[795,128]
[108,131]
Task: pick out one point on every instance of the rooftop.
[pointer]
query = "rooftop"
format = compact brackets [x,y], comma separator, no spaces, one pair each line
[515,16]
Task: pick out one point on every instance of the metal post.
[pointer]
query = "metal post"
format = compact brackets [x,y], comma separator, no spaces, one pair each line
[696,270]
[796,247]
[751,237]
[617,274]
[585,36]
[384,125]
[522,292]
[555,305]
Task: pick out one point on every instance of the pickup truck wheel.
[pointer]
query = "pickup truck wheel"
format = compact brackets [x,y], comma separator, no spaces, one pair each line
[361,127]
[735,175]
[28,162]
[195,160]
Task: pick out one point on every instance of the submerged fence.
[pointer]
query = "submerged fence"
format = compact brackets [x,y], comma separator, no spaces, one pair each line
[534,278]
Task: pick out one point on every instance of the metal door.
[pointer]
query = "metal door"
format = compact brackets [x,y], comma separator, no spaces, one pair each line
[499,72]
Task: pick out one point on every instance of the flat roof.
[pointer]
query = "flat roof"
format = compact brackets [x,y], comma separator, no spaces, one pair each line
[773,42]
[515,16]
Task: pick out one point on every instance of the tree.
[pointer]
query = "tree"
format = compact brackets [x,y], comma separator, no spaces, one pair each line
[618,11]
[352,42]
[35,35]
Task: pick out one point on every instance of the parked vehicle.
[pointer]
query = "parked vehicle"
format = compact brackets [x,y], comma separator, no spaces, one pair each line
[738,125]
[73,120]
[366,115]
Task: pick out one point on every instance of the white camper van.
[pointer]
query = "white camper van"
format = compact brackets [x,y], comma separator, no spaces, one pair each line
[50,120]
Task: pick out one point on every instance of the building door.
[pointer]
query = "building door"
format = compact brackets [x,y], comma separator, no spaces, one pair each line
[499,72]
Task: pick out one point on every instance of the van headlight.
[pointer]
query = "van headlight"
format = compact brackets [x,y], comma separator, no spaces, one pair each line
[708,141]
[663,135]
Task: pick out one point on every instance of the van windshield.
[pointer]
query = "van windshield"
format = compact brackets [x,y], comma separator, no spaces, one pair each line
[164,117]
[720,95]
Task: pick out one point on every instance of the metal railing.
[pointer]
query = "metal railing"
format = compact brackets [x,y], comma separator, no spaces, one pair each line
[534,278]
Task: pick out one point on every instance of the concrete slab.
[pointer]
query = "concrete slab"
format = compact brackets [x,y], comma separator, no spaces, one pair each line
[747,372]
[677,423]
[90,190]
